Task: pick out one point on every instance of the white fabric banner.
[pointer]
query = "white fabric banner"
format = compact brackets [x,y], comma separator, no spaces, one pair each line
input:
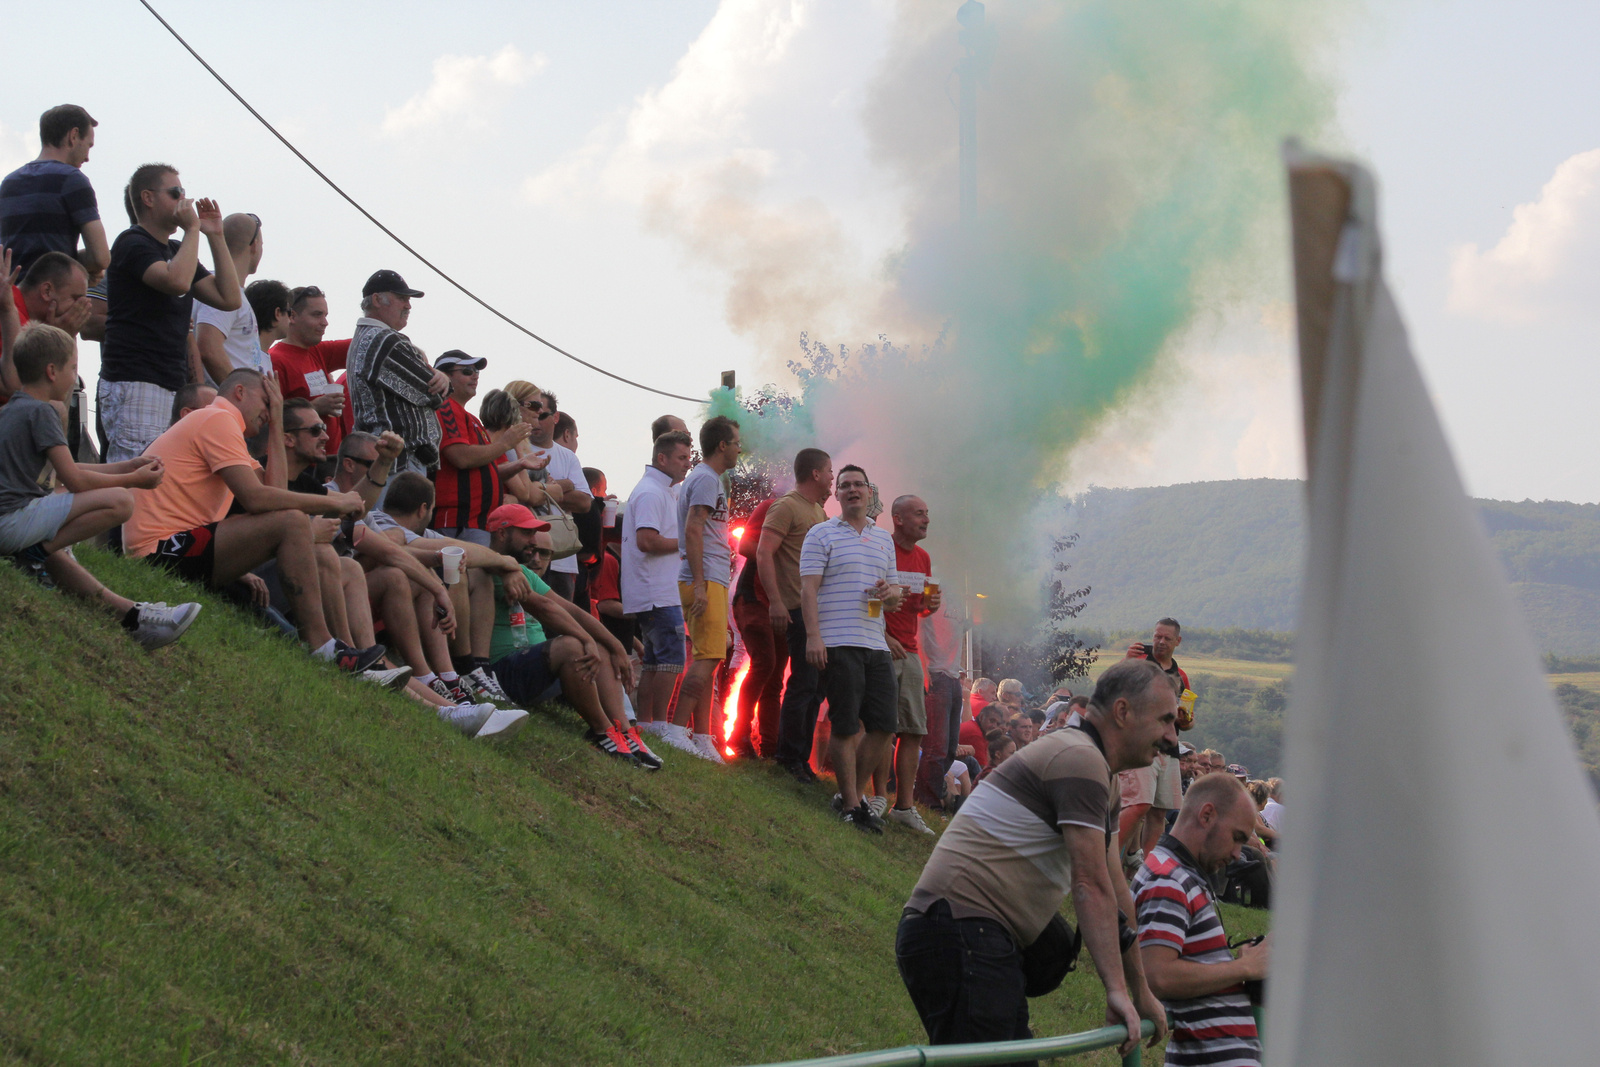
[1438,886]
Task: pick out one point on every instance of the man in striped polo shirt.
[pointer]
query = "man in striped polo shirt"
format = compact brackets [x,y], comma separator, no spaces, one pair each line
[1181,939]
[843,563]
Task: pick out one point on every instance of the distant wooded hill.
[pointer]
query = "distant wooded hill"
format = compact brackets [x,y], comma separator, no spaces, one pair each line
[1222,554]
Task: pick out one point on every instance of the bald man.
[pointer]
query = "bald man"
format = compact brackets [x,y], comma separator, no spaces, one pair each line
[229,340]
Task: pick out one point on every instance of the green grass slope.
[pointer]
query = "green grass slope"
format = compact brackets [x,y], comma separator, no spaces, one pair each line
[223,851]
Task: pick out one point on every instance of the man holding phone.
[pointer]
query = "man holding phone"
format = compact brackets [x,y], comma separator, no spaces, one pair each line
[1148,793]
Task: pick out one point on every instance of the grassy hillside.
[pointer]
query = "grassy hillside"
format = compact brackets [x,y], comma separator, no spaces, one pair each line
[223,851]
[1228,554]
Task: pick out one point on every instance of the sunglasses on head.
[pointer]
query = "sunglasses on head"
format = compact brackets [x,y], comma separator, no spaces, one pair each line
[300,294]
[257,231]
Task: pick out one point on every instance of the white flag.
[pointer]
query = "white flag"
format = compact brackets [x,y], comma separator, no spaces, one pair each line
[1439,899]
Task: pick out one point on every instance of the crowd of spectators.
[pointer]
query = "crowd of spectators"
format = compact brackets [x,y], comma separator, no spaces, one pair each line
[344,489]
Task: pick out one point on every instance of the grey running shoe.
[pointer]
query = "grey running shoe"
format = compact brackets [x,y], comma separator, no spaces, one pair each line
[160,625]
[911,819]
[393,678]
[468,718]
[481,684]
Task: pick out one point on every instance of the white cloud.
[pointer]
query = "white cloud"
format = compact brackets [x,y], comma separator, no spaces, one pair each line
[1548,262]
[462,87]
[16,147]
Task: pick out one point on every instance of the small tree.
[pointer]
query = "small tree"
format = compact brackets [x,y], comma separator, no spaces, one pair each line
[1064,651]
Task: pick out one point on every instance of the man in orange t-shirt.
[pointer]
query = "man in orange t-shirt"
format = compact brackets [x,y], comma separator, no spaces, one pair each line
[183,523]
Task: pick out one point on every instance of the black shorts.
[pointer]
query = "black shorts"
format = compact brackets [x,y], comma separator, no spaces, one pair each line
[860,686]
[191,554]
[526,675]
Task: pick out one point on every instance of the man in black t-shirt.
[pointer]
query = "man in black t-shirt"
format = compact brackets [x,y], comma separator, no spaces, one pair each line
[151,285]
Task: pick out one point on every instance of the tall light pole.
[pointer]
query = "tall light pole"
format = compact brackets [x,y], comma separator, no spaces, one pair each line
[970,16]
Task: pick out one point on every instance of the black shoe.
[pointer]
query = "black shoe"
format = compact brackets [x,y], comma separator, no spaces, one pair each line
[801,772]
[356,660]
[30,561]
[862,819]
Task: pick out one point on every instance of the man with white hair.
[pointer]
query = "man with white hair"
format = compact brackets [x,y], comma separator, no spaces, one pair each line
[392,387]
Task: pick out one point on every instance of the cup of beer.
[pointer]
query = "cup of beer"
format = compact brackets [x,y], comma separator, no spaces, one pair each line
[930,586]
[874,603]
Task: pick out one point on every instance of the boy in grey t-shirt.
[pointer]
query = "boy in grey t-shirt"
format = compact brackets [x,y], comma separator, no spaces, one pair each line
[37,527]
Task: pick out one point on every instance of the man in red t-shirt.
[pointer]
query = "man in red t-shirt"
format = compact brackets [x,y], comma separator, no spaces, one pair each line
[305,363]
[761,695]
[912,568]
[467,484]
[974,735]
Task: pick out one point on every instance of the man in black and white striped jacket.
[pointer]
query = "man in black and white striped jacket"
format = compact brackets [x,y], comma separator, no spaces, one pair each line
[392,386]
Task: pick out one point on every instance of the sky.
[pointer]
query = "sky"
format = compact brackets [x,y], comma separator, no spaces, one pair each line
[675,190]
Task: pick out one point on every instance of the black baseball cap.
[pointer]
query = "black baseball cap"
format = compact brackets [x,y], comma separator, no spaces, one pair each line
[457,358]
[387,281]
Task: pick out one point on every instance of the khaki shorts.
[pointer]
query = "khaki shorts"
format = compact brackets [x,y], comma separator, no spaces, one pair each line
[911,715]
[1157,785]
[708,632]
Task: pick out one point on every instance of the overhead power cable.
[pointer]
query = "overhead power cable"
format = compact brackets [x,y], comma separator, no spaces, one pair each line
[490,308]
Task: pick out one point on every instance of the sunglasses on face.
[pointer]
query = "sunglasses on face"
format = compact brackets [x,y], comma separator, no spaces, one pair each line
[469,371]
[176,192]
[533,409]
[318,430]
[366,464]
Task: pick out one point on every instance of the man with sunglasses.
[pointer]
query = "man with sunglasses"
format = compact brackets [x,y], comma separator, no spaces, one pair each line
[229,339]
[305,364]
[151,287]
[467,482]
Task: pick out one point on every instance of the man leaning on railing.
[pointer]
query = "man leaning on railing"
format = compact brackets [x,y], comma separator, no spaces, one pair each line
[1043,824]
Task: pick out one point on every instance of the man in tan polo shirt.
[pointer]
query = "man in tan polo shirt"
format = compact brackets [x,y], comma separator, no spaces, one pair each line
[788,521]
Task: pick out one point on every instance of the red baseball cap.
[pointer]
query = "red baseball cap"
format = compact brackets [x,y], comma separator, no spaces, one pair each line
[515,515]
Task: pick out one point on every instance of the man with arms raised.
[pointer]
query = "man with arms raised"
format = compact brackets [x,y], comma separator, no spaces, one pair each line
[1181,939]
[1148,793]
[1041,825]
[843,563]
[151,288]
[183,524]
[650,574]
[783,534]
[704,570]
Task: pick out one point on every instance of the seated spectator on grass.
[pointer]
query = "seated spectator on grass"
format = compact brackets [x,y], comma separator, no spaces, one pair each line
[54,292]
[151,288]
[306,364]
[975,732]
[192,397]
[1259,795]
[467,484]
[1022,728]
[409,509]
[184,523]
[364,464]
[984,692]
[1009,694]
[39,527]
[1002,746]
[46,204]
[1272,814]
[231,339]
[1182,942]
[583,663]
[520,470]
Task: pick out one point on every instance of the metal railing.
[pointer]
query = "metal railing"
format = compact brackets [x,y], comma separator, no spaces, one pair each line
[986,1052]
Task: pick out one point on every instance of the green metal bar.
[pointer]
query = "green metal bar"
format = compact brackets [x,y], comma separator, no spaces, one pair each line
[985,1052]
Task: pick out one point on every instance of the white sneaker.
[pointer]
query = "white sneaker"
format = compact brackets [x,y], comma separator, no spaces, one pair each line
[878,805]
[705,746]
[678,737]
[655,727]
[393,678]
[502,722]
[160,625]
[468,718]
[911,818]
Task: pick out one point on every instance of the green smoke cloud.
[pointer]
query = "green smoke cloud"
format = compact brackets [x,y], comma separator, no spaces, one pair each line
[1127,164]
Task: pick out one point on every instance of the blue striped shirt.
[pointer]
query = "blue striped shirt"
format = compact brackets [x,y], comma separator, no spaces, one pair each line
[850,563]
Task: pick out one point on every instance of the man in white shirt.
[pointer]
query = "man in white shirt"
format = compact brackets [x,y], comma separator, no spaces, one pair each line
[844,566]
[228,339]
[650,575]
[1272,814]
[564,477]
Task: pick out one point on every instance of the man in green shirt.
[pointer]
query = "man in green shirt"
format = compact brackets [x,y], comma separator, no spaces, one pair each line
[584,660]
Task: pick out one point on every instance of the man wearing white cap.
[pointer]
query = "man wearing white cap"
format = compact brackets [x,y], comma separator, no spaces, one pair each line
[467,484]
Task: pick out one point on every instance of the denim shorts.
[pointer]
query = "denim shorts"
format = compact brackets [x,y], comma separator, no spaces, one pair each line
[40,519]
[661,630]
